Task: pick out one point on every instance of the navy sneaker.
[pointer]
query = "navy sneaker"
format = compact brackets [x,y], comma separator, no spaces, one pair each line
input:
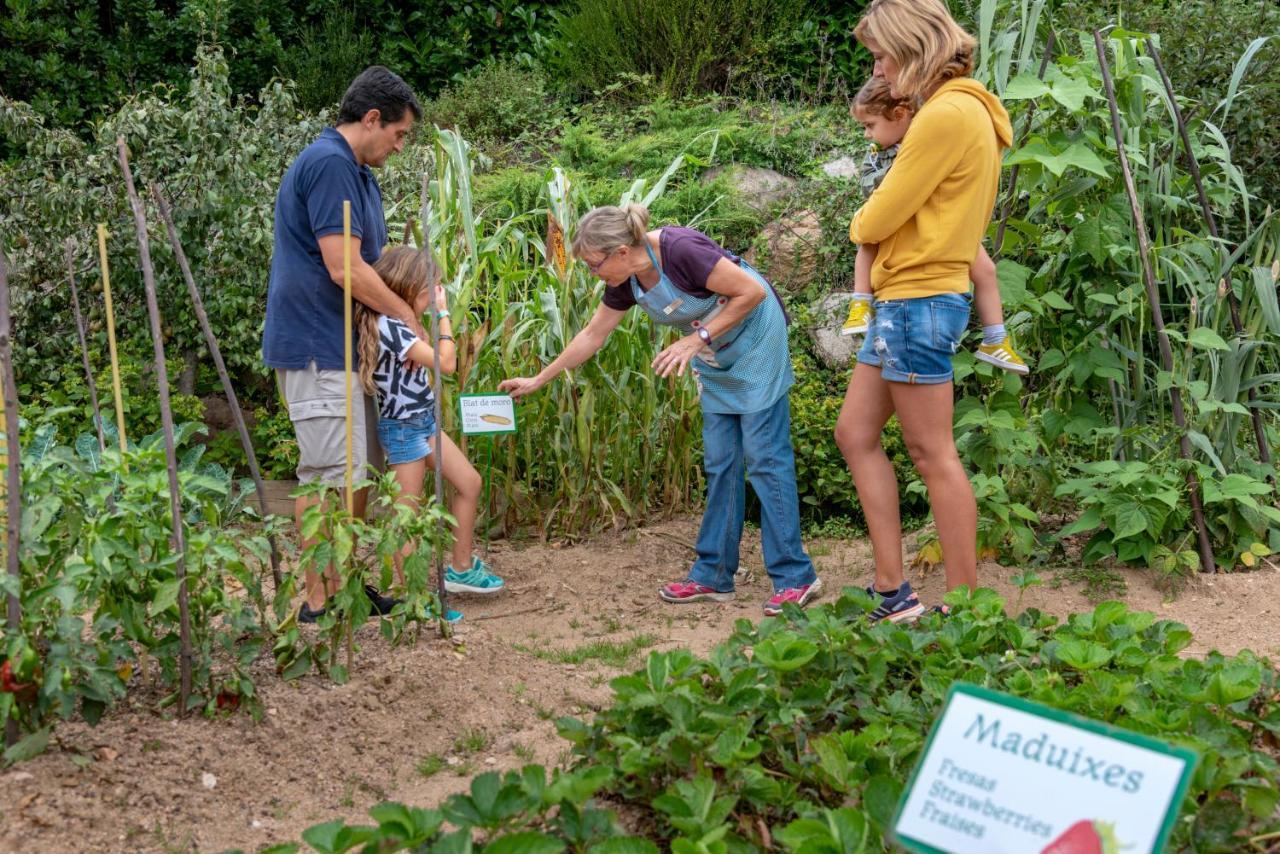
[306,615]
[900,605]
[382,605]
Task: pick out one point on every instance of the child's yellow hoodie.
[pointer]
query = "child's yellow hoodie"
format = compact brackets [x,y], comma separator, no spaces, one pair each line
[933,207]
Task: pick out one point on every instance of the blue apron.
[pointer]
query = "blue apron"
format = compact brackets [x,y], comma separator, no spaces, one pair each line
[746,368]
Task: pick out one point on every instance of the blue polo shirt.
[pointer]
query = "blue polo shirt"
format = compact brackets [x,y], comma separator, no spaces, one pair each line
[304,306]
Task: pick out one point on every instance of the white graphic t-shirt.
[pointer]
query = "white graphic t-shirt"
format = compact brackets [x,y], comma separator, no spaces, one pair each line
[401,393]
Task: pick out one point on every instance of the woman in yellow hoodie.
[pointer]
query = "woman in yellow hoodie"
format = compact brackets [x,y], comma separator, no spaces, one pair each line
[928,217]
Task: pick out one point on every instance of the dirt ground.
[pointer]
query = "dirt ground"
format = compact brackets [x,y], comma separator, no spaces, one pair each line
[414,723]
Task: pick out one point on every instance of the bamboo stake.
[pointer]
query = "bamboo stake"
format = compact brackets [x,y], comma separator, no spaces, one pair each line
[166,423]
[1233,302]
[1207,563]
[346,349]
[84,349]
[111,345]
[13,478]
[425,217]
[157,193]
[1006,209]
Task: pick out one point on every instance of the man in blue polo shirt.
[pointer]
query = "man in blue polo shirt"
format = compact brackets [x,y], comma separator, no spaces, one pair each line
[302,337]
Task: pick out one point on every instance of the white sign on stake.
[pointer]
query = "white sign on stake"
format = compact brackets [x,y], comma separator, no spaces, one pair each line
[487,413]
[1003,774]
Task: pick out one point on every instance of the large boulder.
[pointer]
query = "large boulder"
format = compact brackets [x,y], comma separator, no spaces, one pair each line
[787,251]
[759,188]
[833,349]
[841,167]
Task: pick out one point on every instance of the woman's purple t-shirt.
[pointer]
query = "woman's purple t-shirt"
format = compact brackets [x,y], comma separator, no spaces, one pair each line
[687,256]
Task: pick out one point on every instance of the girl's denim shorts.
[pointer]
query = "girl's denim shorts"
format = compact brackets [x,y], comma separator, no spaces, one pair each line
[913,340]
[406,440]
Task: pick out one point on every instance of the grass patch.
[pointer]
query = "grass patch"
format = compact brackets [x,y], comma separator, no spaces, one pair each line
[430,765]
[471,741]
[1098,582]
[611,653]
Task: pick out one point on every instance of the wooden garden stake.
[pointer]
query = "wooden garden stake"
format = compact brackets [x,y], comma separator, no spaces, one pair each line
[1233,302]
[212,343]
[84,349]
[346,349]
[117,395]
[12,458]
[166,423]
[425,217]
[1207,563]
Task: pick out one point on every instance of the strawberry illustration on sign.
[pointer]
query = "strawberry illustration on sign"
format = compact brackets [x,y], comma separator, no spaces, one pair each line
[1086,837]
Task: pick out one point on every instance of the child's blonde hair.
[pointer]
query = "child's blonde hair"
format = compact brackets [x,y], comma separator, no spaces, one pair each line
[877,98]
[407,272]
[922,37]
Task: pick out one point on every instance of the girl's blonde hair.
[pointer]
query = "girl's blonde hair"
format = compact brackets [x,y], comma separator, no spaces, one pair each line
[877,98]
[922,37]
[606,229]
[407,272]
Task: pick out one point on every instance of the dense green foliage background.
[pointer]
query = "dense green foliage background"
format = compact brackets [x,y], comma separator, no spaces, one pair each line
[1087,441]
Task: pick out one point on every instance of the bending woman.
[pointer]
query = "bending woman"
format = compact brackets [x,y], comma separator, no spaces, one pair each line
[735,342]
[928,217]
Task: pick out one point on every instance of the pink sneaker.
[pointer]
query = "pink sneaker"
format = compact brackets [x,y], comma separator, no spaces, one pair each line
[798,595]
[690,591]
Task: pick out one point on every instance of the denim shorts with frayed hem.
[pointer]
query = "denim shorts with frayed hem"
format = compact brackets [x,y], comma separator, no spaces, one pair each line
[913,340]
[405,440]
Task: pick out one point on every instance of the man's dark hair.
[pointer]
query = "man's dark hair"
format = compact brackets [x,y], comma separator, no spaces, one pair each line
[378,88]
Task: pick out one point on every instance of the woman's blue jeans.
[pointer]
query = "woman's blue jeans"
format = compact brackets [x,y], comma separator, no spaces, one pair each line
[762,442]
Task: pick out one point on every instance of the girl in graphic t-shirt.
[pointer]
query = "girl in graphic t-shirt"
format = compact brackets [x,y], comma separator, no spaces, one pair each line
[393,366]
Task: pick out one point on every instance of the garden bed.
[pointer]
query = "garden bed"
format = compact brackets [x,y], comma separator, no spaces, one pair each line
[415,723]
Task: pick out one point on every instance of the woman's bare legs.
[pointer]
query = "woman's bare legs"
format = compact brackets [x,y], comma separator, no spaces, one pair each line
[925,412]
[867,407]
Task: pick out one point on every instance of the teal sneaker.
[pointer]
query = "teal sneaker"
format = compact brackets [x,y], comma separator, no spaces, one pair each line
[478,579]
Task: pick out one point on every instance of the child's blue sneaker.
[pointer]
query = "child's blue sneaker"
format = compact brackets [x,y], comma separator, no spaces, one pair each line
[452,616]
[902,604]
[478,579]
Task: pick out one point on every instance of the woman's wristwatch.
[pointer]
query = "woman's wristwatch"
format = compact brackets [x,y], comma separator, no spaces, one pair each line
[704,335]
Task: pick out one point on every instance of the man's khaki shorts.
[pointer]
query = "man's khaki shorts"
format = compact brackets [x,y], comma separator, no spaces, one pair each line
[317,402]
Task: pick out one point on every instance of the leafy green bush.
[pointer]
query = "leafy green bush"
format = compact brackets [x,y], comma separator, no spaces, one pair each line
[76,63]
[99,589]
[1201,61]
[801,732]
[498,101]
[220,161]
[326,57]
[686,47]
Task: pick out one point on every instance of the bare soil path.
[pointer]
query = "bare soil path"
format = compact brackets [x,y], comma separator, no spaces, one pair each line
[414,723]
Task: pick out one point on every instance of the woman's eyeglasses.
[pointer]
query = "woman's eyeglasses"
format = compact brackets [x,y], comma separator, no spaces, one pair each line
[595,268]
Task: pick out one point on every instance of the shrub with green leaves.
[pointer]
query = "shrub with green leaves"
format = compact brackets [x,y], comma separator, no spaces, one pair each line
[499,100]
[99,587]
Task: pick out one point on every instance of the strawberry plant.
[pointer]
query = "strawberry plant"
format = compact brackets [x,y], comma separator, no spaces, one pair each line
[800,731]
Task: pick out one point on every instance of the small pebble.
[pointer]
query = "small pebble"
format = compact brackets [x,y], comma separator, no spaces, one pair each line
[208,780]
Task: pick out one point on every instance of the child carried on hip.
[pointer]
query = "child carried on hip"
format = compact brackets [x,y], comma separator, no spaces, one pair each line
[885,120]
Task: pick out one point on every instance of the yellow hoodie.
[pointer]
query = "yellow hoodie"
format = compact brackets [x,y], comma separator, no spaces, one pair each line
[932,209]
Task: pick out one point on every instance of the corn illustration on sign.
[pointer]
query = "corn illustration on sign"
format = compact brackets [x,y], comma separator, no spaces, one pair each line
[487,413]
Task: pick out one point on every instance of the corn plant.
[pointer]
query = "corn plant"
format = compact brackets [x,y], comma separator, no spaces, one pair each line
[605,444]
